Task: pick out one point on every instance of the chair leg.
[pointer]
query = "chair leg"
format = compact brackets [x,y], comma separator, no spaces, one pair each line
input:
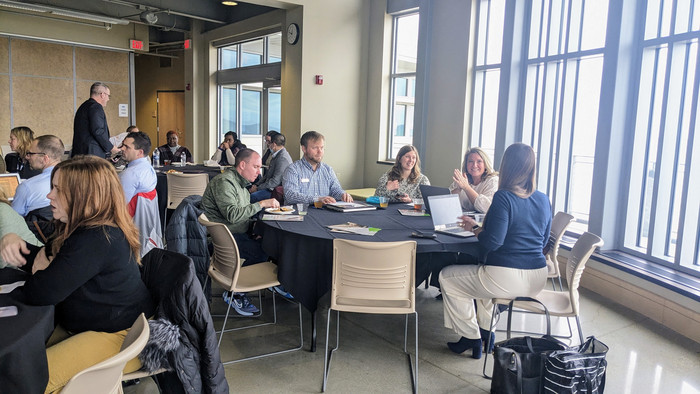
[488,344]
[580,333]
[223,327]
[412,365]
[328,355]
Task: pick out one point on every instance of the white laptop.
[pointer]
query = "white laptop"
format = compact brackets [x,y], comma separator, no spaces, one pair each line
[445,211]
[8,184]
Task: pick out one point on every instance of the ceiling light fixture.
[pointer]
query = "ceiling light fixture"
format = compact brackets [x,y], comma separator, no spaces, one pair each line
[63,12]
[227,2]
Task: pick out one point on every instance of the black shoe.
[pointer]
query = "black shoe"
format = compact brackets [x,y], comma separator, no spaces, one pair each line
[465,343]
[439,297]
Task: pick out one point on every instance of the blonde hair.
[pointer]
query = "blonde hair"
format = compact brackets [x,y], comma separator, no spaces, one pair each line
[395,172]
[93,197]
[518,168]
[24,136]
[488,167]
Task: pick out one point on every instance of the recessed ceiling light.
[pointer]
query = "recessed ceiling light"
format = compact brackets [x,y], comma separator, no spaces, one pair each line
[226,2]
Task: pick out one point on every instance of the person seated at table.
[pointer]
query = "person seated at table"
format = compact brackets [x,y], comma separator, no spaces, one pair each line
[16,162]
[262,189]
[225,155]
[514,232]
[267,156]
[226,200]
[44,153]
[12,222]
[138,176]
[476,183]
[89,271]
[308,177]
[172,151]
[400,184]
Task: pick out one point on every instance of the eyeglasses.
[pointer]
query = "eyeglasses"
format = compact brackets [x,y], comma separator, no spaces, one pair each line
[34,153]
[108,95]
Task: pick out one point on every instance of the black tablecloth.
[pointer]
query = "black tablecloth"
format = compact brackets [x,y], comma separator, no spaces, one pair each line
[23,365]
[162,185]
[304,250]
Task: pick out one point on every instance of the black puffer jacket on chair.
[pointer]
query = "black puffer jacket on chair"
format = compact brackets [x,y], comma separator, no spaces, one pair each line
[171,280]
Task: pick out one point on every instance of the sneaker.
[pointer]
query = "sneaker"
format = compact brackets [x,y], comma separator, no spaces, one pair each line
[281,291]
[240,303]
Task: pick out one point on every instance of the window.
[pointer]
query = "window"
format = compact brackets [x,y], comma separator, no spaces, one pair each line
[403,82]
[264,50]
[559,61]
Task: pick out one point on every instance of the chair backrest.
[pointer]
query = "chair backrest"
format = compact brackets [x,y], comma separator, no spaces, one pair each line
[373,277]
[226,260]
[582,250]
[183,185]
[560,223]
[106,376]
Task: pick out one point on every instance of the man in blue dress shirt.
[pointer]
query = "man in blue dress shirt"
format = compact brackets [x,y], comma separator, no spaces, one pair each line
[138,176]
[308,177]
[45,152]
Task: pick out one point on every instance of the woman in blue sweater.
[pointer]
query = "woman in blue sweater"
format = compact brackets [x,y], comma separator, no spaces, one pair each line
[515,231]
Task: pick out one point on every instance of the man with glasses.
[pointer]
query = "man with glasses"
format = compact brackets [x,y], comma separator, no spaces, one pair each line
[45,152]
[90,131]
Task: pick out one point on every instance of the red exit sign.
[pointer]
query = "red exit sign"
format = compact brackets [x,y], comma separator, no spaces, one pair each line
[136,45]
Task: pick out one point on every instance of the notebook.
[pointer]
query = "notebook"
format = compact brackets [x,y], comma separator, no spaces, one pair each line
[8,184]
[446,210]
[427,191]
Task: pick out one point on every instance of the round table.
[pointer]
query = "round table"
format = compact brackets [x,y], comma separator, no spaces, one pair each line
[303,250]
[23,365]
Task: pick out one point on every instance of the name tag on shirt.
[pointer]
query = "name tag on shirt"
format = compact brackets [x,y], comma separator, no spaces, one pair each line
[305,180]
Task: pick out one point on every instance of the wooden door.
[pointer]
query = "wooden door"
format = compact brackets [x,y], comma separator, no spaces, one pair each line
[171,116]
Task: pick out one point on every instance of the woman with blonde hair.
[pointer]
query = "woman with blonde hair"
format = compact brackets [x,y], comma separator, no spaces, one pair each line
[20,140]
[89,270]
[400,184]
[515,231]
[476,183]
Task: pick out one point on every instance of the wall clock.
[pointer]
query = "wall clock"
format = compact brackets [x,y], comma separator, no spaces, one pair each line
[292,33]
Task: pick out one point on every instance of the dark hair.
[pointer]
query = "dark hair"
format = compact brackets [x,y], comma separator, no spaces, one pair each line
[170,132]
[518,168]
[235,136]
[243,155]
[272,133]
[278,139]
[95,88]
[141,141]
[51,146]
[488,167]
[311,136]
[395,172]
[131,128]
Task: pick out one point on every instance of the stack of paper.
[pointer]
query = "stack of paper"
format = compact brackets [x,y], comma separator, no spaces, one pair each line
[284,218]
[353,228]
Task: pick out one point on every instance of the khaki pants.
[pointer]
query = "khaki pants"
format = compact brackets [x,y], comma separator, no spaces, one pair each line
[67,355]
[462,284]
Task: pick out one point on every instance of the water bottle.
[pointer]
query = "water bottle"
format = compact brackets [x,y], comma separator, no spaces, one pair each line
[183,159]
[156,158]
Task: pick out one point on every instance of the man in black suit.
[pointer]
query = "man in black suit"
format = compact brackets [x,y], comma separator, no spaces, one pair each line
[90,131]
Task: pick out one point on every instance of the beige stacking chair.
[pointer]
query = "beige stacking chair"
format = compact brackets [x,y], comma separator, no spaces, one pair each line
[226,269]
[560,223]
[106,376]
[180,186]
[552,302]
[376,278]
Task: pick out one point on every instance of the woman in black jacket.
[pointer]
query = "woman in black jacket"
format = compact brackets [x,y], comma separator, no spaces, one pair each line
[89,270]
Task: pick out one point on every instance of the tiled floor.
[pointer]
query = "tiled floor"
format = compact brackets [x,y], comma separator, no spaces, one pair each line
[644,357]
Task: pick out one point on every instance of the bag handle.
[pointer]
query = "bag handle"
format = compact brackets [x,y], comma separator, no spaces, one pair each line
[529,299]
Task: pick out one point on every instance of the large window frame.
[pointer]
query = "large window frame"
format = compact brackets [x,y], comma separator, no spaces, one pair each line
[655,198]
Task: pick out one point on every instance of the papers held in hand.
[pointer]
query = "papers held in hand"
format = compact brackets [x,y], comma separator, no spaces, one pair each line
[353,228]
[341,206]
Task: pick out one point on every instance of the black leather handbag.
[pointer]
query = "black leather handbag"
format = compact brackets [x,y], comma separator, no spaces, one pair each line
[518,362]
[577,369]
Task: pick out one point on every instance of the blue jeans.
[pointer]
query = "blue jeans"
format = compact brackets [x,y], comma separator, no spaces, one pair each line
[251,250]
[260,195]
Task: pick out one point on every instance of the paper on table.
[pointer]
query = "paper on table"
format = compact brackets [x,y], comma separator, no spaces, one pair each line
[412,212]
[7,311]
[9,287]
[353,228]
[283,218]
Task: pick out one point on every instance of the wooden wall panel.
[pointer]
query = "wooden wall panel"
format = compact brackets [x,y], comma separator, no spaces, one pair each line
[98,65]
[4,109]
[45,105]
[42,59]
[4,55]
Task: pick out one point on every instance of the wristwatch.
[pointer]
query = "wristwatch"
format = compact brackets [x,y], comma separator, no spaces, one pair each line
[475,227]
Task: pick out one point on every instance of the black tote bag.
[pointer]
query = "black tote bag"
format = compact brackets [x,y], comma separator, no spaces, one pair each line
[576,370]
[517,367]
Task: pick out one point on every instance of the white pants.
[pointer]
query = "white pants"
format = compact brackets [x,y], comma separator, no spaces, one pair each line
[462,284]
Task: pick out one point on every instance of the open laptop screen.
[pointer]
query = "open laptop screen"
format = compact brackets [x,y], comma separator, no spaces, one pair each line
[8,184]
[445,209]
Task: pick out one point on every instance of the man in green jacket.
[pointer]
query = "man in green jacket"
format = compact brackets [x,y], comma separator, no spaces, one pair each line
[226,200]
